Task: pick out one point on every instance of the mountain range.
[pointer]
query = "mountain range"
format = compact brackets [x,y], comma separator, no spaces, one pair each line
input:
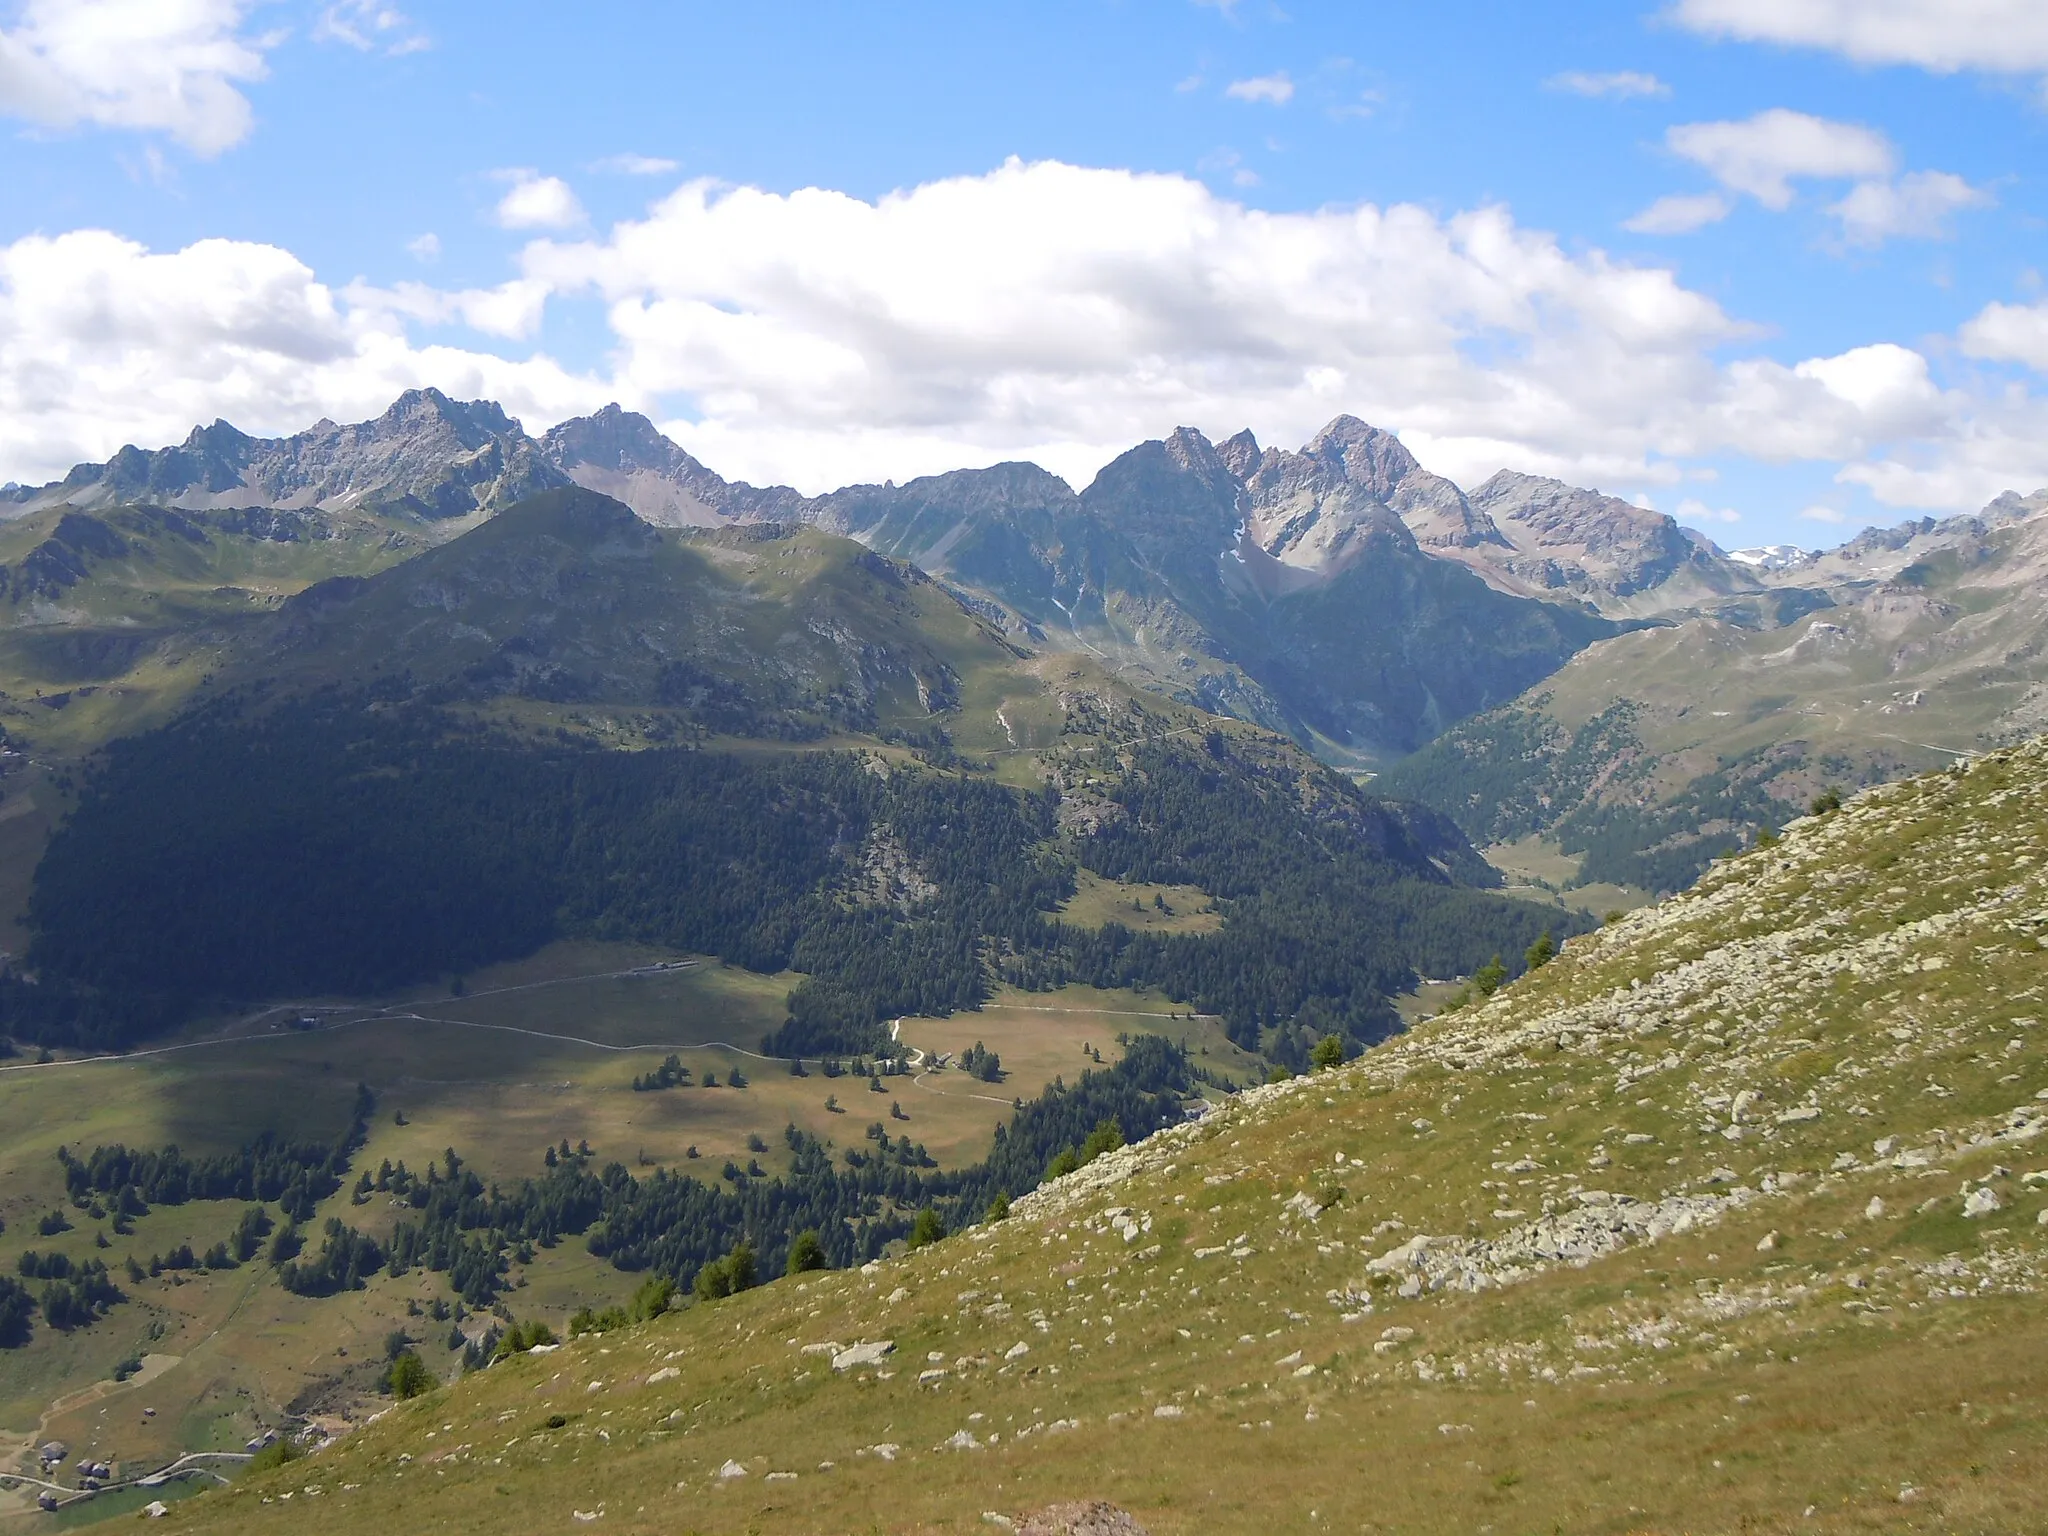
[1340,594]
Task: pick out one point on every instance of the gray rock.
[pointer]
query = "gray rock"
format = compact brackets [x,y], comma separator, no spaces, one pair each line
[872,1352]
[1093,1518]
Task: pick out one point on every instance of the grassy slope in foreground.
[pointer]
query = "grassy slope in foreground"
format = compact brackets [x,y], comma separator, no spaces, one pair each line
[1720,1222]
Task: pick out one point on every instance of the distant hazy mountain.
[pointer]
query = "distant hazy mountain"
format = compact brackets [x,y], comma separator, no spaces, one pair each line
[1652,752]
[427,456]
[621,454]
[1772,557]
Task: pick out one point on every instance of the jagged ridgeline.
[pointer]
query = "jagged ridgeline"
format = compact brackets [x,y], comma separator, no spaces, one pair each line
[319,844]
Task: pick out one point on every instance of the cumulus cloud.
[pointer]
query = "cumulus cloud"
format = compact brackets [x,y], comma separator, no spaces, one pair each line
[2000,36]
[1918,205]
[372,26]
[103,342]
[1680,214]
[425,247]
[513,310]
[1041,311]
[1618,85]
[1823,514]
[160,66]
[1762,154]
[1276,89]
[537,202]
[2011,333]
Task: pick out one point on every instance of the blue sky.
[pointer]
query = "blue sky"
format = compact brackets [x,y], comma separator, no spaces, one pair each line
[1771,264]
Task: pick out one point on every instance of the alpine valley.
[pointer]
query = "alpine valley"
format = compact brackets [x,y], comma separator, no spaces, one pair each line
[1136,966]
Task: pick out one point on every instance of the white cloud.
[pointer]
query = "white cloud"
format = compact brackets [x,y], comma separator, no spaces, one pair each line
[371,26]
[1917,204]
[635,165]
[1821,514]
[1762,154]
[426,247]
[1618,85]
[2011,333]
[1692,510]
[103,342]
[1680,214]
[1042,311]
[537,202]
[2000,36]
[163,66]
[1274,88]
[513,310]
[1053,312]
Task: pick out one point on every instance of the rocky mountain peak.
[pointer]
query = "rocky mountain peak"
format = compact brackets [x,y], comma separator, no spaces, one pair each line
[624,455]
[1240,453]
[427,411]
[1368,456]
[1305,511]
[222,438]
[615,439]
[1187,450]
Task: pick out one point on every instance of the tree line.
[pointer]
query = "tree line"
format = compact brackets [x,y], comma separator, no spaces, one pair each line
[315,844]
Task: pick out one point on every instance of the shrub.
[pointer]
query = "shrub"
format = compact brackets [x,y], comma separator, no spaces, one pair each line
[1329,1052]
[1106,1137]
[806,1253]
[928,1228]
[521,1337]
[657,1294]
[727,1276]
[410,1377]
[1541,953]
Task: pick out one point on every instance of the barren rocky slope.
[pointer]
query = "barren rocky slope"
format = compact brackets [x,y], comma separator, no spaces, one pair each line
[1727,1219]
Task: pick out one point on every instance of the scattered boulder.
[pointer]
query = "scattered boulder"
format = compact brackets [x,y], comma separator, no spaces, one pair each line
[1305,1205]
[867,1352]
[1982,1202]
[1093,1518]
